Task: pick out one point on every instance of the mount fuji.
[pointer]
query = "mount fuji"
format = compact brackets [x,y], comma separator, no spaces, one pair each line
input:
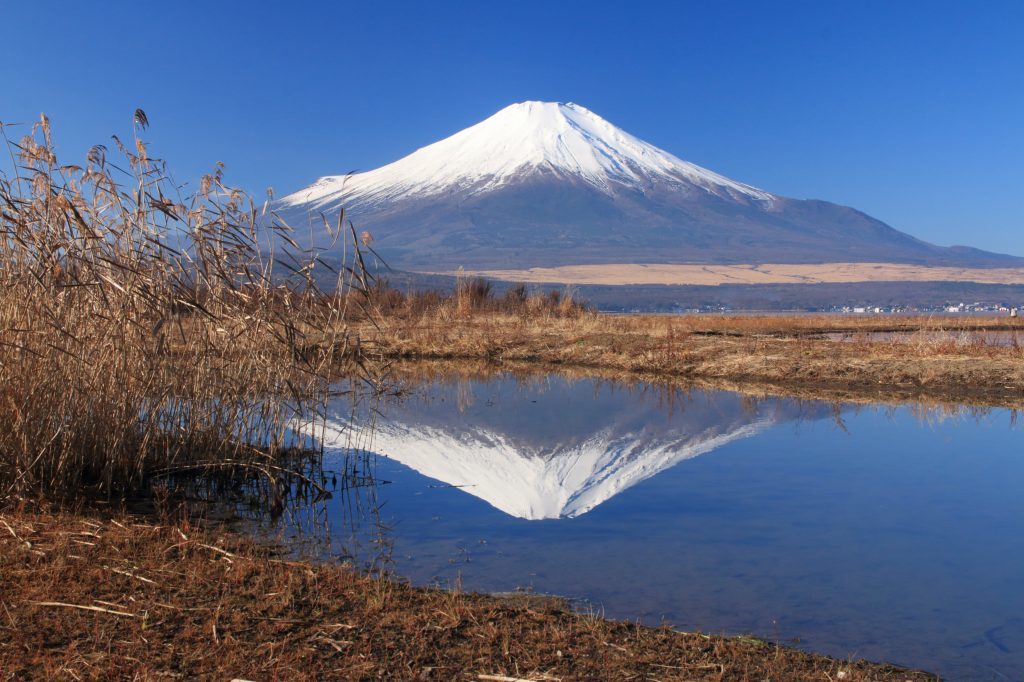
[549,184]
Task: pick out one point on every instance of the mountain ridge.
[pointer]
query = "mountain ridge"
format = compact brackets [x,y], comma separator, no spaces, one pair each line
[546,184]
[524,137]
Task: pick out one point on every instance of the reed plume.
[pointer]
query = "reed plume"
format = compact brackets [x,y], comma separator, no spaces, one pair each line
[146,330]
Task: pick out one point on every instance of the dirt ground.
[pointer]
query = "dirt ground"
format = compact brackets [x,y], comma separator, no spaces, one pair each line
[97,597]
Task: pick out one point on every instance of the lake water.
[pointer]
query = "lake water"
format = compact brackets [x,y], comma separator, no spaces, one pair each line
[873,532]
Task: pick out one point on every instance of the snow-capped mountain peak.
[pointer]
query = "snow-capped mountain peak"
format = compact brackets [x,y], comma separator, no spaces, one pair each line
[527,138]
[546,184]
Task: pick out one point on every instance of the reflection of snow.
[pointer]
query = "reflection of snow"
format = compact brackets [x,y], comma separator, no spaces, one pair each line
[558,452]
[568,483]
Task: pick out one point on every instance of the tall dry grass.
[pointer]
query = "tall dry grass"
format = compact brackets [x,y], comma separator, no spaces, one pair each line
[144,329]
[471,297]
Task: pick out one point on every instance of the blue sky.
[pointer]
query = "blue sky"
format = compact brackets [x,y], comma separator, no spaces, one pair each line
[910,111]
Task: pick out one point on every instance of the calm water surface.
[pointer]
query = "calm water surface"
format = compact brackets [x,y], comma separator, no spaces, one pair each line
[884,533]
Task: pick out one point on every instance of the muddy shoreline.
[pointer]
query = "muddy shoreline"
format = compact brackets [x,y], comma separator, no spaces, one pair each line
[110,596]
[783,356]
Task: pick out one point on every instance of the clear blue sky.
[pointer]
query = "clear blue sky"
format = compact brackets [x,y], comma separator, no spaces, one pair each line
[910,111]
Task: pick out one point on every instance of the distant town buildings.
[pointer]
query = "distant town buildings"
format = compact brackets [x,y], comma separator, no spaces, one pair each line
[975,308]
[948,308]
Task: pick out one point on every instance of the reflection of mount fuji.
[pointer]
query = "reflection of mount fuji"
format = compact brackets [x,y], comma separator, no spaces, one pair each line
[561,448]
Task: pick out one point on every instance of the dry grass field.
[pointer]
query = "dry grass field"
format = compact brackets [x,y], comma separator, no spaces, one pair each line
[767,273]
[973,360]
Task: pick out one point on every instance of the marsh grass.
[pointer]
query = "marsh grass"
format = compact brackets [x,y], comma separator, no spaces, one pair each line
[471,297]
[783,354]
[146,330]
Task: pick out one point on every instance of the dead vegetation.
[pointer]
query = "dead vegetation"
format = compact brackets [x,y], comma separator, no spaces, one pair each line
[145,331]
[472,296]
[669,390]
[941,358]
[102,598]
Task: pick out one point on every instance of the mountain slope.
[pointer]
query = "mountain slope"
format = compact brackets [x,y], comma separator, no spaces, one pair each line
[543,184]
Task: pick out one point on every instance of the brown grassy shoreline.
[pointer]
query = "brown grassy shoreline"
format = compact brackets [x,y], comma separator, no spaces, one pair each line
[409,373]
[88,596]
[941,360]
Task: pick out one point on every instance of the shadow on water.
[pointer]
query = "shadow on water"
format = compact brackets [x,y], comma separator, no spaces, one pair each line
[887,532]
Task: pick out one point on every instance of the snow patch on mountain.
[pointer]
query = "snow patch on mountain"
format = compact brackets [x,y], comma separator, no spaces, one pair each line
[519,141]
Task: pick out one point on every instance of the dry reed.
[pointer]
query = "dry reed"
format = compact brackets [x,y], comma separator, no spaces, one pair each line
[470,297]
[143,330]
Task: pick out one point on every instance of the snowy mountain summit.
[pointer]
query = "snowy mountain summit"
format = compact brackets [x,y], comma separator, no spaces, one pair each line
[521,140]
[549,184]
